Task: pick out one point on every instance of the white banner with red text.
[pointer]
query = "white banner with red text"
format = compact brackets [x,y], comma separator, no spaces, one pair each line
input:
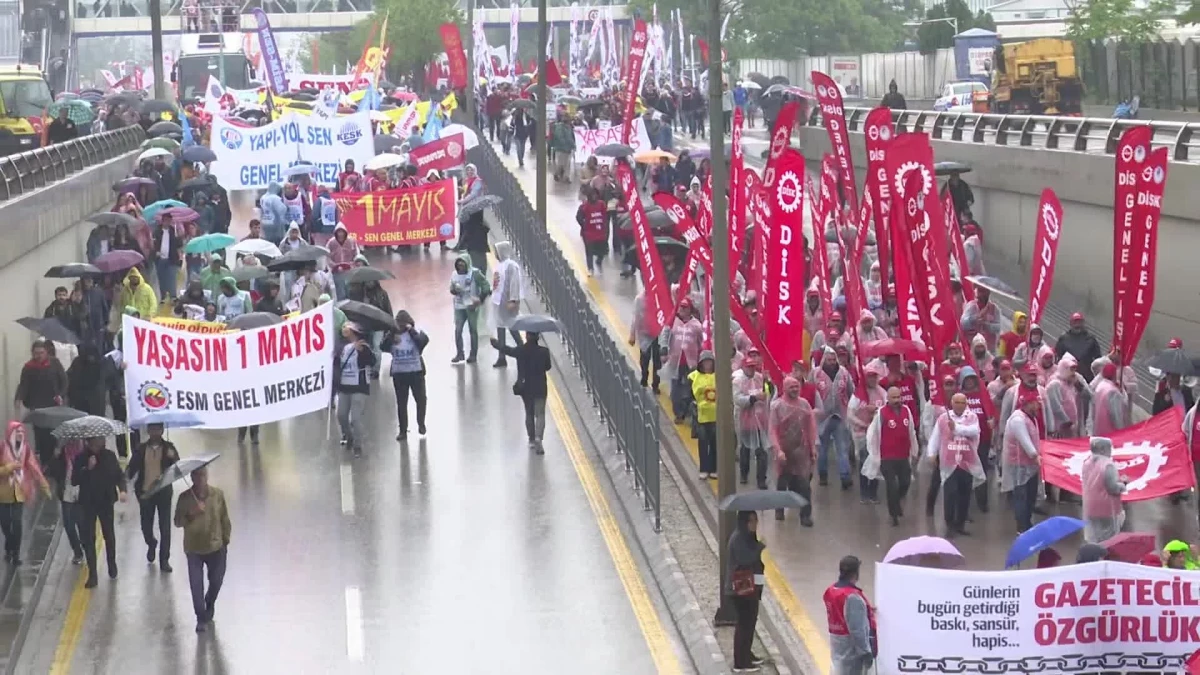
[230,379]
[1106,616]
[587,140]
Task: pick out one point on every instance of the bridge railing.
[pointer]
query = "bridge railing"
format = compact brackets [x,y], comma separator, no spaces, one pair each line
[32,169]
[628,410]
[1092,135]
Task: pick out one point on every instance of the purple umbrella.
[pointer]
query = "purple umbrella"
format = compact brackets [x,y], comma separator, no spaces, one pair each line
[131,184]
[117,261]
[925,552]
[179,214]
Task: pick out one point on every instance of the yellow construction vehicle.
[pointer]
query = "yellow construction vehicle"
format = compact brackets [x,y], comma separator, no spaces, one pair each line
[1038,77]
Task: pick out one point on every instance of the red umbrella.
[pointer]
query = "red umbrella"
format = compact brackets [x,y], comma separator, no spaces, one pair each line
[118,260]
[1129,547]
[908,349]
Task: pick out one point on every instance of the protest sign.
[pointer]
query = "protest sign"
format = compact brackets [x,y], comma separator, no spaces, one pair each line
[587,140]
[1106,616]
[230,379]
[253,158]
[447,152]
[401,216]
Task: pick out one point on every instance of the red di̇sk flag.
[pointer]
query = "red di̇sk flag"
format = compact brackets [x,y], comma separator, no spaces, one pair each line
[704,219]
[1133,150]
[834,116]
[854,307]
[820,262]
[1045,251]
[758,243]
[456,59]
[1152,458]
[878,133]
[1152,181]
[783,207]
[737,199]
[960,251]
[633,74]
[658,291]
[738,314]
[699,252]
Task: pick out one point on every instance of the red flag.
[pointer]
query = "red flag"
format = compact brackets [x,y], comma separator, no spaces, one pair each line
[633,74]
[912,325]
[783,208]
[688,276]
[685,227]
[819,260]
[737,199]
[1151,182]
[738,313]
[1152,458]
[456,59]
[854,307]
[658,291]
[960,252]
[1132,152]
[1045,250]
[878,133]
[702,44]
[705,221]
[758,245]
[834,116]
[553,77]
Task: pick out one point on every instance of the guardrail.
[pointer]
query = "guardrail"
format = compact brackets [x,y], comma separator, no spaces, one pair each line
[33,169]
[1091,135]
[627,409]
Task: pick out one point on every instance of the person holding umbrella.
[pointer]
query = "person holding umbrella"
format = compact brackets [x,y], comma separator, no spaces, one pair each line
[98,475]
[352,382]
[149,461]
[408,369]
[203,515]
[533,362]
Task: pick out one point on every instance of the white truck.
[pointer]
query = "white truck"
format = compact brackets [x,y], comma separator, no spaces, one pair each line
[202,54]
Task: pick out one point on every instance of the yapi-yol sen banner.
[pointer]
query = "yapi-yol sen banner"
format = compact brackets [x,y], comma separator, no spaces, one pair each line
[253,158]
[400,216]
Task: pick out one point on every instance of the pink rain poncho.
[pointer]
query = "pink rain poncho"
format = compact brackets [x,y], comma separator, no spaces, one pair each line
[958,449]
[1027,352]
[751,418]
[860,412]
[983,321]
[793,431]
[1066,398]
[1103,512]
[1019,461]
[27,477]
[1110,406]
[682,339]
[982,364]
[867,331]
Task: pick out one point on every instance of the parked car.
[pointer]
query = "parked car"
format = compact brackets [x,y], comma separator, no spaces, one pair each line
[957,96]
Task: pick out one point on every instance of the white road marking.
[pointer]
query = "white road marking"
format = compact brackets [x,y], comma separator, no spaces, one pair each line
[347,493]
[355,648]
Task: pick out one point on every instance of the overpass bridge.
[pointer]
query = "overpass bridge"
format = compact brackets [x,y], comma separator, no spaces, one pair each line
[119,17]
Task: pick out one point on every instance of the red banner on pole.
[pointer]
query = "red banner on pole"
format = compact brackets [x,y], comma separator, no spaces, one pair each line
[834,116]
[442,154]
[1133,150]
[1045,250]
[737,199]
[783,208]
[633,74]
[878,132]
[400,216]
[960,251]
[819,260]
[658,291]
[685,227]
[704,222]
[1152,181]
[738,314]
[456,58]
[1152,458]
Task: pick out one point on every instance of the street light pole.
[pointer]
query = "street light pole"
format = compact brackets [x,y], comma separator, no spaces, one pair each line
[722,341]
[541,129]
[473,72]
[156,50]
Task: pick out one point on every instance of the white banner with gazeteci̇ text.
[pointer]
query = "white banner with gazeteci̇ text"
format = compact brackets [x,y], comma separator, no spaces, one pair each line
[252,159]
[231,379]
[1098,617]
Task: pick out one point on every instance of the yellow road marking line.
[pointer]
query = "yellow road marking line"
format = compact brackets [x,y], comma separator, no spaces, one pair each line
[813,637]
[72,628]
[661,652]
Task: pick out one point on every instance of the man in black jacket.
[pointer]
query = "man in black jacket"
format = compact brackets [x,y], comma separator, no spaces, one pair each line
[1081,344]
[149,461]
[533,362]
[101,482]
[167,254]
[62,129]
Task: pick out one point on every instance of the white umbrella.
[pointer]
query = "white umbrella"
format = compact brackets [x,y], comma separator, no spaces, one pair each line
[154,152]
[751,84]
[379,116]
[385,161]
[470,140]
[256,247]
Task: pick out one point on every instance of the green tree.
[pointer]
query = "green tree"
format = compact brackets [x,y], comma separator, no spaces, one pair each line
[1126,20]
[943,21]
[412,35]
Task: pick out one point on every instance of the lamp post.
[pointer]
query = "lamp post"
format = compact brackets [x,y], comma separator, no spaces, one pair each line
[473,75]
[543,127]
[156,50]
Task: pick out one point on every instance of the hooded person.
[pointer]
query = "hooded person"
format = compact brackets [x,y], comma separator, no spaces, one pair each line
[270,302]
[1178,555]
[828,336]
[211,275]
[812,311]
[867,330]
[407,370]
[20,478]
[891,447]
[750,421]
[1027,351]
[973,250]
[1020,459]
[874,288]
[231,301]
[1110,411]
[136,293]
[1103,512]
[343,249]
[955,442]
[982,317]
[272,213]
[1067,400]
[508,291]
[971,386]
[981,358]
[469,289]
[860,412]
[681,341]
[1006,345]
[1046,367]
[834,386]
[704,392]
[351,375]
[793,433]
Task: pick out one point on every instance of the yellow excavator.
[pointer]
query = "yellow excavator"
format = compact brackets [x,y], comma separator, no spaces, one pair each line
[1038,77]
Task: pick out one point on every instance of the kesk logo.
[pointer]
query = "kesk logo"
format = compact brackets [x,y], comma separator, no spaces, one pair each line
[446,230]
[788,193]
[154,397]
[349,134]
[1151,457]
[231,138]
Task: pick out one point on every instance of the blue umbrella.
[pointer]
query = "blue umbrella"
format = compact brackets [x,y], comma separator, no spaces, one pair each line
[152,210]
[173,419]
[1041,536]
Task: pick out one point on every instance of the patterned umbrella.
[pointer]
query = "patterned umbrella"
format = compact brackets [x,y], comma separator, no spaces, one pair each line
[91,426]
[78,111]
[52,417]
[151,211]
[180,214]
[478,204]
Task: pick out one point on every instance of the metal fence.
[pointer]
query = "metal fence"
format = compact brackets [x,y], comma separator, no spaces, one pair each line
[918,76]
[1162,73]
[35,168]
[627,409]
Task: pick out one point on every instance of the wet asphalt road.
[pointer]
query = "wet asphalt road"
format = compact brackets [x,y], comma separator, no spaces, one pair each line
[462,552]
[808,557]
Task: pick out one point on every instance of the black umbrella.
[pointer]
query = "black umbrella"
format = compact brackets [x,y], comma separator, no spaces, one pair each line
[303,90]
[198,153]
[163,128]
[591,103]
[129,99]
[670,242]
[613,150]
[659,220]
[523,103]
[763,500]
[51,329]
[362,275]
[254,320]
[89,426]
[299,105]
[197,182]
[950,168]
[297,259]
[250,273]
[780,79]
[152,107]
[368,317]
[385,143]
[52,417]
[535,323]
[72,271]
[1173,361]
[178,471]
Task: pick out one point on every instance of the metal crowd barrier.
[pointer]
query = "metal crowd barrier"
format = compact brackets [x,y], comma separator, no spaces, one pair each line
[1090,135]
[36,168]
[629,412]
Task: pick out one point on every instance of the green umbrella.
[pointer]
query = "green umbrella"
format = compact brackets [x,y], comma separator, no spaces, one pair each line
[209,242]
[161,142]
[79,111]
[151,211]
